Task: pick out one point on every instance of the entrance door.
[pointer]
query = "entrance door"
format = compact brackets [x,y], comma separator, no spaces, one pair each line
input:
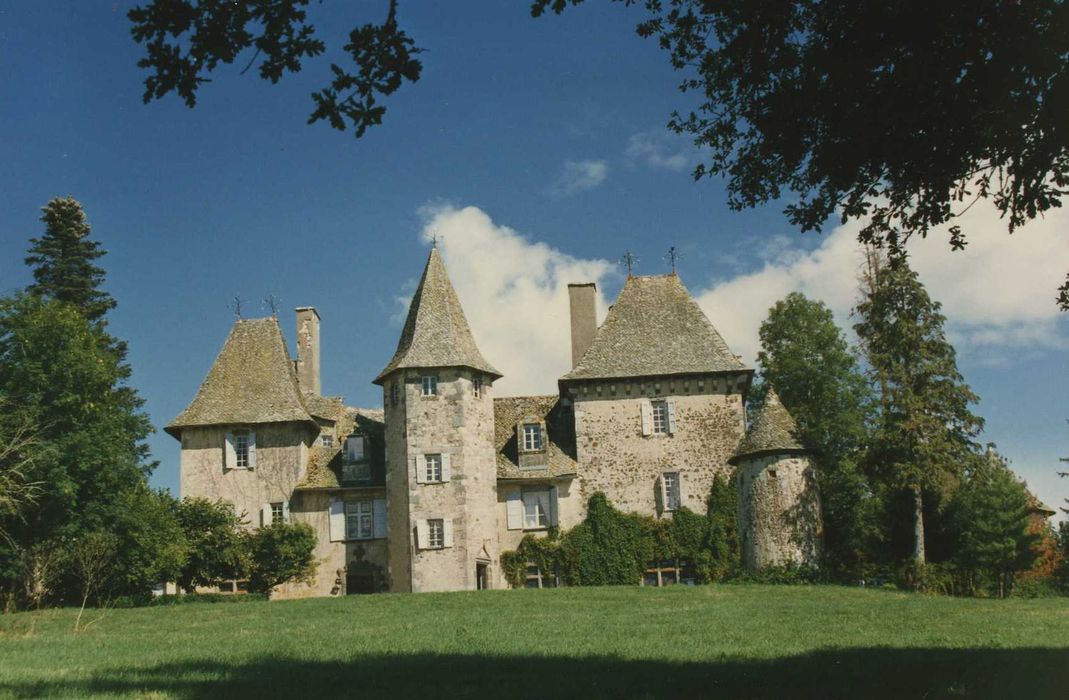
[482,581]
[359,583]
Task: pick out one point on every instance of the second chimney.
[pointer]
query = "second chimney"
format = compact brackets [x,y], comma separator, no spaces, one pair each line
[308,349]
[581,298]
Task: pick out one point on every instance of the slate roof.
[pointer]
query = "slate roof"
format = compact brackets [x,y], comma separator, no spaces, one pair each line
[327,407]
[251,381]
[773,432]
[325,463]
[436,333]
[559,458]
[655,328]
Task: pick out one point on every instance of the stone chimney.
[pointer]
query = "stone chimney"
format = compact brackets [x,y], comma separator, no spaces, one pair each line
[584,318]
[308,349]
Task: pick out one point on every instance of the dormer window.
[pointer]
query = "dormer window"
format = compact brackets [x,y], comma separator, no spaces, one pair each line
[429,385]
[355,466]
[354,448]
[532,437]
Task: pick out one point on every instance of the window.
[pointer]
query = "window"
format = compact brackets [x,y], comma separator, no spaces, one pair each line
[432,467]
[354,449]
[670,482]
[477,387]
[359,520]
[241,450]
[532,437]
[278,515]
[435,533]
[326,440]
[536,505]
[660,417]
[395,393]
[430,385]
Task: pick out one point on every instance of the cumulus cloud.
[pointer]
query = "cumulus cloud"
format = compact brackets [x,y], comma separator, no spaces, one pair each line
[660,149]
[579,176]
[997,294]
[515,295]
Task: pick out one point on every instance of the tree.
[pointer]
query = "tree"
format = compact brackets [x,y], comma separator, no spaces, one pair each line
[990,517]
[216,545]
[925,429]
[151,545]
[62,260]
[280,553]
[21,456]
[832,406]
[186,40]
[901,115]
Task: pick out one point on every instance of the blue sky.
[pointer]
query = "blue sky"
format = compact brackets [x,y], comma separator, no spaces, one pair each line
[537,149]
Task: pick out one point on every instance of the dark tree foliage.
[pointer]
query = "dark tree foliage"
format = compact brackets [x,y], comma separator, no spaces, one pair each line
[280,553]
[216,549]
[991,525]
[63,260]
[609,548]
[186,40]
[899,114]
[833,408]
[925,429]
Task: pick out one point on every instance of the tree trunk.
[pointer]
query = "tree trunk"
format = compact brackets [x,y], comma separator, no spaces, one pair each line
[918,526]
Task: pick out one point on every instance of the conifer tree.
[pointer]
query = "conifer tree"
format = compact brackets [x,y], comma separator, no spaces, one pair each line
[925,429]
[62,260]
[805,356]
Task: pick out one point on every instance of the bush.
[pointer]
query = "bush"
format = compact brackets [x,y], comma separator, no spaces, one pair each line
[280,553]
[1035,588]
[196,598]
[787,575]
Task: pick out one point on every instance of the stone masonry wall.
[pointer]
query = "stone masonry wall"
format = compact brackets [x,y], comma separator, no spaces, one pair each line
[455,423]
[616,458]
[779,512]
[570,509]
[281,456]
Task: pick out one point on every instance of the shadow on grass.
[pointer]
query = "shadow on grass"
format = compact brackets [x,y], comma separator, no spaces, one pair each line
[853,673]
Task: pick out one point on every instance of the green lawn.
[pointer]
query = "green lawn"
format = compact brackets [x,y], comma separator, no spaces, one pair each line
[711,641]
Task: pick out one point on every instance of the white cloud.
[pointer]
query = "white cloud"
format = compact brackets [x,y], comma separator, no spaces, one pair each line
[997,294]
[515,295]
[660,149]
[579,176]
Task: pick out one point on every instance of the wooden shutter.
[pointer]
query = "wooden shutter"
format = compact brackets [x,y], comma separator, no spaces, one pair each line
[647,416]
[337,520]
[265,515]
[252,449]
[230,455]
[662,497]
[679,488]
[447,470]
[421,534]
[421,471]
[379,514]
[285,511]
[671,406]
[447,532]
[552,506]
[514,510]
[519,438]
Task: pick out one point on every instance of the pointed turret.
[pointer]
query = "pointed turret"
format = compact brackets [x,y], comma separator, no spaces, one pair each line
[436,333]
[774,432]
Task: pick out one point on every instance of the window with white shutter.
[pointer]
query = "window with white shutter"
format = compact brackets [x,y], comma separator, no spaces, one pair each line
[514,510]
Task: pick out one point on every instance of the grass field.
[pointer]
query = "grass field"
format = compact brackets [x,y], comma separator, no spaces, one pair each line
[711,641]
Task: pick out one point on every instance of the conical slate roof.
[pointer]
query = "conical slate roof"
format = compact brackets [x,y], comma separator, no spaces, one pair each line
[655,328]
[774,432]
[436,334]
[251,381]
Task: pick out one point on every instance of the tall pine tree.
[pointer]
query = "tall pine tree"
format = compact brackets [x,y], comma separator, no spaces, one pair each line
[62,260]
[925,429]
[805,356]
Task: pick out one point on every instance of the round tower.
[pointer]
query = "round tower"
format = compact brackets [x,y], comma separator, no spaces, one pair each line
[779,505]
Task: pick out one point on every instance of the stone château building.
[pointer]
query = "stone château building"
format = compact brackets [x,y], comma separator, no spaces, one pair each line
[425,493]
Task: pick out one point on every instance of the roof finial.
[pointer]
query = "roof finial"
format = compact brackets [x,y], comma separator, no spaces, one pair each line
[235,305]
[434,239]
[271,302]
[672,256]
[630,260]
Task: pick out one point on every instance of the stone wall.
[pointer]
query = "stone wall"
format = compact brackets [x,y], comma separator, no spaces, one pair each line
[455,423]
[570,509]
[617,459]
[281,458]
[779,512]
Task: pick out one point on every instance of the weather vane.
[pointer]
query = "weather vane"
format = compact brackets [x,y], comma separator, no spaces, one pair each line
[434,239]
[630,260]
[672,257]
[271,302]
[236,305]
